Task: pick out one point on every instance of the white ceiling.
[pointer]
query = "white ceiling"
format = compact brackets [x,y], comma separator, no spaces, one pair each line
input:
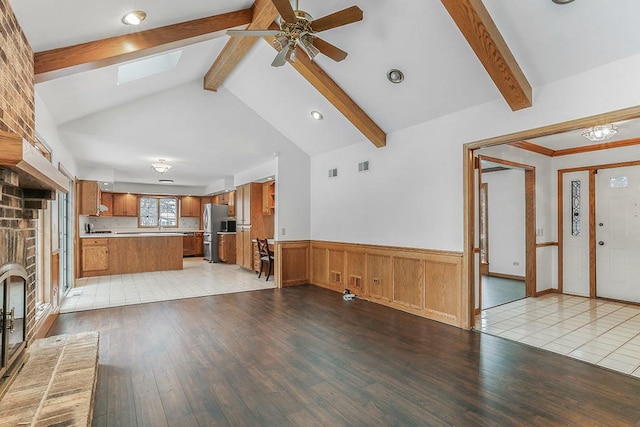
[260,109]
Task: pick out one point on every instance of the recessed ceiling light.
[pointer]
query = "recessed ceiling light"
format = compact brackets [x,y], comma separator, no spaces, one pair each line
[134,18]
[395,76]
[166,181]
[317,115]
[106,183]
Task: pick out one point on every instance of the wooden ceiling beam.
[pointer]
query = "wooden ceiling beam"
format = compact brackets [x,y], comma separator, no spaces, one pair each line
[482,34]
[264,13]
[338,97]
[69,60]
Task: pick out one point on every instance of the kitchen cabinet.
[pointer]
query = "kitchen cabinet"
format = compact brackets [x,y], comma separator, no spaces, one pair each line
[95,255]
[221,199]
[249,214]
[106,199]
[199,244]
[125,204]
[188,245]
[268,198]
[244,255]
[124,255]
[89,198]
[256,256]
[190,206]
[231,207]
[227,248]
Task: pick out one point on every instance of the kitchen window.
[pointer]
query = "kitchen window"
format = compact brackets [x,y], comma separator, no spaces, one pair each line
[158,212]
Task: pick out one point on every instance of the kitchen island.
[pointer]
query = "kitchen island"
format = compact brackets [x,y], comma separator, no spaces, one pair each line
[129,253]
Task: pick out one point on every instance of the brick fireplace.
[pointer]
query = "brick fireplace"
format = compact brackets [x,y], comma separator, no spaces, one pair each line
[21,193]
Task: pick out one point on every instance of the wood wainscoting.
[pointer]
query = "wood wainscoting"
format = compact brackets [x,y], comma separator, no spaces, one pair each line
[292,263]
[424,282]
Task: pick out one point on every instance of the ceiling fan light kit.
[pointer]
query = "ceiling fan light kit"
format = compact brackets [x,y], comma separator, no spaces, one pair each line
[298,29]
[134,18]
[600,133]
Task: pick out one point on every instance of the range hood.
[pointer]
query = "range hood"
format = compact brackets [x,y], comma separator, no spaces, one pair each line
[34,171]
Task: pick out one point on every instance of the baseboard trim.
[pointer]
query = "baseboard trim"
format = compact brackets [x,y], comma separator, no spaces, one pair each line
[546,292]
[506,276]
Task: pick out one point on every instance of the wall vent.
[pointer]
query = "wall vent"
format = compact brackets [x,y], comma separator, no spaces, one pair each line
[335,276]
[363,166]
[333,173]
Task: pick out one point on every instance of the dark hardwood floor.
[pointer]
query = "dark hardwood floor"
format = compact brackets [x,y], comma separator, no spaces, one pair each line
[303,356]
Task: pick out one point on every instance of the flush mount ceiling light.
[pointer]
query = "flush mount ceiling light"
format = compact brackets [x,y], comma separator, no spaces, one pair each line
[161,167]
[166,181]
[562,1]
[134,18]
[395,76]
[317,115]
[600,133]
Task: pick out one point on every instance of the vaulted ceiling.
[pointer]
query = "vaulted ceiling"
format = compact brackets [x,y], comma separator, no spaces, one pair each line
[445,48]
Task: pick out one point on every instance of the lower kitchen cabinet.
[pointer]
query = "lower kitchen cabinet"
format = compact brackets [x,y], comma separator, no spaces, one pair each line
[188,245]
[125,255]
[199,244]
[244,247]
[227,248]
[95,255]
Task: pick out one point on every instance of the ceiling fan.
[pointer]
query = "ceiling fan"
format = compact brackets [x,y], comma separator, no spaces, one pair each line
[298,30]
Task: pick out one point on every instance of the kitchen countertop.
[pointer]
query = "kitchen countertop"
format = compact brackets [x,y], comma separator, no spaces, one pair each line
[135,234]
[226,232]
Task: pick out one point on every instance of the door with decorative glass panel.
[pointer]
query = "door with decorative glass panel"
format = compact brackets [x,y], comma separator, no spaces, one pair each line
[575,233]
[617,233]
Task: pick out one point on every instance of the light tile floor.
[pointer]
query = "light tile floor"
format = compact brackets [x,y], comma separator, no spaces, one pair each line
[198,278]
[600,332]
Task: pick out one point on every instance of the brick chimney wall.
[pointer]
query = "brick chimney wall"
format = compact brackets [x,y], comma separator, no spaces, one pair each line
[17,99]
[17,115]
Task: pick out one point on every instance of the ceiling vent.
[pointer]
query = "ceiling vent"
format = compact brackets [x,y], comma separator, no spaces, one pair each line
[333,173]
[363,166]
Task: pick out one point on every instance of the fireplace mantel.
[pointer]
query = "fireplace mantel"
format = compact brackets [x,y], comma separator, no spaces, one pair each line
[34,171]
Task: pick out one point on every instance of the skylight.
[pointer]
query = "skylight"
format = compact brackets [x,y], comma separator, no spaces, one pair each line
[148,67]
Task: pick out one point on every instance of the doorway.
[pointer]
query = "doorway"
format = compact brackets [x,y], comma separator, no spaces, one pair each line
[600,223]
[506,232]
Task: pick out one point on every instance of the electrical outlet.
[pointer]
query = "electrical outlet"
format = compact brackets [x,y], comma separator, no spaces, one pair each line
[516,263]
[284,231]
[376,281]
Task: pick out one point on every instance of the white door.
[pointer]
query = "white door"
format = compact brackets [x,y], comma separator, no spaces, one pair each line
[575,233]
[618,233]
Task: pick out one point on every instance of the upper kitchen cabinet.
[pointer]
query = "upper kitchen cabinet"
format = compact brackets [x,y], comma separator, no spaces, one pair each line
[190,206]
[106,199]
[231,207]
[125,204]
[89,198]
[268,198]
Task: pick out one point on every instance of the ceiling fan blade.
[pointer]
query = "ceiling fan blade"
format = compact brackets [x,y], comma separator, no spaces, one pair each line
[329,50]
[253,33]
[281,57]
[337,19]
[285,10]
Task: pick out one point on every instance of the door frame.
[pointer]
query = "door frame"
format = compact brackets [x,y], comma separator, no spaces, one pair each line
[593,170]
[468,265]
[530,222]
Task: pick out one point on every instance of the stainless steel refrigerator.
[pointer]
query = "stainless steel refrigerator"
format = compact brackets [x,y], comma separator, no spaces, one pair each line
[213,215]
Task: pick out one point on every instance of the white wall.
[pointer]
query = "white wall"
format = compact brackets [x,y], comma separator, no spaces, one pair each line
[506,212]
[413,196]
[48,130]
